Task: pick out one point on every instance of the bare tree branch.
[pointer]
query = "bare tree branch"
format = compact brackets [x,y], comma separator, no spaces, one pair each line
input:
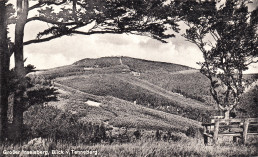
[40,4]
[221,107]
[43,19]
[251,62]
[42,40]
[97,32]
[68,33]
[74,10]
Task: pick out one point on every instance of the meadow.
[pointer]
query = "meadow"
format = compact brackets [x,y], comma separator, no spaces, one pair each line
[157,113]
[126,87]
[188,147]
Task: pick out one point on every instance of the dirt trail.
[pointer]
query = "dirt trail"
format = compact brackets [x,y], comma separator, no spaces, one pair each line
[143,109]
[76,91]
[183,101]
[185,71]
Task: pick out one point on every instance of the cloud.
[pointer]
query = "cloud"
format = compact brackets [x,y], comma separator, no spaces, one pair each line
[66,50]
[114,39]
[253,5]
[150,44]
[44,61]
[253,68]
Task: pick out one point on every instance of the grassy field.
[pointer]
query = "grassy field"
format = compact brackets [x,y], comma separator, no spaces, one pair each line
[171,101]
[142,148]
[127,87]
[120,113]
[182,148]
[191,84]
[168,87]
[172,77]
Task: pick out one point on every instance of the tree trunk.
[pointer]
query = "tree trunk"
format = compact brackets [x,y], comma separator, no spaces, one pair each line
[4,69]
[17,116]
[22,13]
[226,114]
[226,110]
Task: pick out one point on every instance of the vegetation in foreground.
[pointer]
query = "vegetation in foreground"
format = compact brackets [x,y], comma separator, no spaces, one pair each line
[115,128]
[51,127]
[140,148]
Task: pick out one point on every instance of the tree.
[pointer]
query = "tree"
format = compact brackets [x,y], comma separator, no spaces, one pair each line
[227,37]
[6,17]
[105,16]
[4,67]
[37,91]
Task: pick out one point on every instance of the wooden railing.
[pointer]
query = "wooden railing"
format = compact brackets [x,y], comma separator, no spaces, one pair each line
[238,128]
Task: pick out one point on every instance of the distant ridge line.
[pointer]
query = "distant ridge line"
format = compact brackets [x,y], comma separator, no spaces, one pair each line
[139,59]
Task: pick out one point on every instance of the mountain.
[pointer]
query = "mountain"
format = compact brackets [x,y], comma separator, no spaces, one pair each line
[166,87]
[134,64]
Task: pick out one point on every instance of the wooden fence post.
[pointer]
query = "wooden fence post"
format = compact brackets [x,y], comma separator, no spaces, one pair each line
[245,130]
[216,132]
[205,139]
[234,139]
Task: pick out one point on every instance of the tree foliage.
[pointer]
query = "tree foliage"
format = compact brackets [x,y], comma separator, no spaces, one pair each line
[84,17]
[227,37]
[37,91]
[112,16]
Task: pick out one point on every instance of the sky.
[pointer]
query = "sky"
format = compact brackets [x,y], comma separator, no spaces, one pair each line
[69,49]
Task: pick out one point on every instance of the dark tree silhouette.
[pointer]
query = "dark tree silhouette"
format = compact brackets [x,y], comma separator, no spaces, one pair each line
[227,37]
[4,68]
[37,91]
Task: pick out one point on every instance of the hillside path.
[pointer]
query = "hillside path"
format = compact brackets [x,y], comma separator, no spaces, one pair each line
[185,71]
[76,91]
[183,101]
[171,119]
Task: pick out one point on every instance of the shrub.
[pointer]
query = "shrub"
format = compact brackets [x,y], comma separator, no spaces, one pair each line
[158,135]
[50,122]
[175,138]
[137,134]
[191,132]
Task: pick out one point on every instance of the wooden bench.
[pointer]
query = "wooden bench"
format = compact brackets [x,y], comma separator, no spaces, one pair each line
[238,128]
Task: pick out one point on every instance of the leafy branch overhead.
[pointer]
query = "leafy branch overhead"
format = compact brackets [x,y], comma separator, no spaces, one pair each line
[227,37]
[38,90]
[100,16]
